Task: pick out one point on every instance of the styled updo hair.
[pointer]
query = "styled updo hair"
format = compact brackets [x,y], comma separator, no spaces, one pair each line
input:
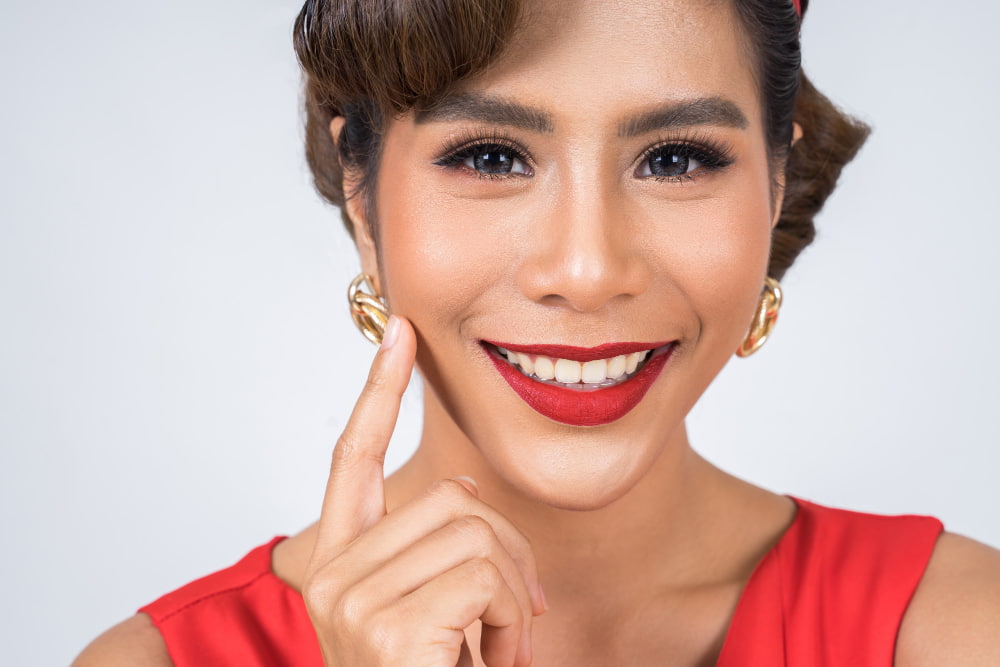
[368,60]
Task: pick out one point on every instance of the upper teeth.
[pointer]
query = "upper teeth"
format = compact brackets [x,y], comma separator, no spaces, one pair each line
[569,371]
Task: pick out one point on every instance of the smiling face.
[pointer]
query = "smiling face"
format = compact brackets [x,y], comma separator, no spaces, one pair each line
[604,185]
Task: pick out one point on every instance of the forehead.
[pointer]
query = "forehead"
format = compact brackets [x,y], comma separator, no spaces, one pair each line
[594,58]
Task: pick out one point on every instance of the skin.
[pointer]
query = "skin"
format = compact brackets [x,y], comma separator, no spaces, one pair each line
[641,545]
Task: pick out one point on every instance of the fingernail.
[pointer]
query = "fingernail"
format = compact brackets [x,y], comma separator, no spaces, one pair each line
[469,480]
[391,332]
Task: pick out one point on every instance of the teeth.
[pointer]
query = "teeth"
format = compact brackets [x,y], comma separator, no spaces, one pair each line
[525,362]
[594,371]
[632,361]
[544,368]
[617,366]
[567,371]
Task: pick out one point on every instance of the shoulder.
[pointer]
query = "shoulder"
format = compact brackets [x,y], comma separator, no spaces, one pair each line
[132,643]
[954,617]
[218,612]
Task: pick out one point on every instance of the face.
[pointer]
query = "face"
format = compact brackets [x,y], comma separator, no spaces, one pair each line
[605,185]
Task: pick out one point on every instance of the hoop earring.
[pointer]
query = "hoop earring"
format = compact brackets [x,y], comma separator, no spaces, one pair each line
[368,311]
[763,322]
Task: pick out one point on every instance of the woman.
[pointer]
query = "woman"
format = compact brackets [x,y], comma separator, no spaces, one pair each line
[572,211]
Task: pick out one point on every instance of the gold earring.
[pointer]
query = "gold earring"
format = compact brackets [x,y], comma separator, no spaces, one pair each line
[763,322]
[368,311]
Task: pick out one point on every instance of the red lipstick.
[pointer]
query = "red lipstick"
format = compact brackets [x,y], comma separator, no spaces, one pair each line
[582,408]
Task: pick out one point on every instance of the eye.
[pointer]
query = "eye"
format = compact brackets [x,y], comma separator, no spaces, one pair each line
[678,161]
[494,159]
[666,164]
[488,159]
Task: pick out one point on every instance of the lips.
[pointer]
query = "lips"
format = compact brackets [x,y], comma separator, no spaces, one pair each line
[580,404]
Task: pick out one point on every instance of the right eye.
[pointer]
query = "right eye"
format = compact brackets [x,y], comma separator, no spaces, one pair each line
[489,159]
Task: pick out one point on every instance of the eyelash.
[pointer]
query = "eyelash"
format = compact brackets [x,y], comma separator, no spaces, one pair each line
[712,155]
[472,143]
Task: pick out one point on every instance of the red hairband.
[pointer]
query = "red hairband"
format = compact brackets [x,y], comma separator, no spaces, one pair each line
[798,7]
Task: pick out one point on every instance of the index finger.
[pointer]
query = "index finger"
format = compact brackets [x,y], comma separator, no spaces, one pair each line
[355,491]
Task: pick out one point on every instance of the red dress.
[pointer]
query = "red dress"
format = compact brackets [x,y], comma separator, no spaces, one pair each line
[831,592]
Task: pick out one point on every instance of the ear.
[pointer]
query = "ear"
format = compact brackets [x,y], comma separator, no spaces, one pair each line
[355,209]
[780,199]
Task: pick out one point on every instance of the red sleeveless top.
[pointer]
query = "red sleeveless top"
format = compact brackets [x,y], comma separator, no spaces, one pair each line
[831,592]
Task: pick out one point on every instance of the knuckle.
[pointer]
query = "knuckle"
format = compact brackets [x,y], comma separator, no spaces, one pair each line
[350,449]
[350,608]
[524,552]
[320,592]
[485,572]
[521,541]
[447,491]
[383,635]
[376,382]
[346,447]
[476,528]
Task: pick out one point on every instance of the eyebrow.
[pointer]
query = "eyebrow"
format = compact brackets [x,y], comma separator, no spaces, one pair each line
[487,109]
[700,111]
[499,111]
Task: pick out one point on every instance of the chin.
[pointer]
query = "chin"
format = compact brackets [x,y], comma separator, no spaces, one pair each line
[579,472]
[579,498]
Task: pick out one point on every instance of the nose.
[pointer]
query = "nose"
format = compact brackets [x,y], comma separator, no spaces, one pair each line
[584,254]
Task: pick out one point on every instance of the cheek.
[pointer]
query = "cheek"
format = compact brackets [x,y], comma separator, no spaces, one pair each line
[448,264]
[439,255]
[712,259]
[726,259]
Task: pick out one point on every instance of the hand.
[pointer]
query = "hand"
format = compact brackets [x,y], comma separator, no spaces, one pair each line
[400,588]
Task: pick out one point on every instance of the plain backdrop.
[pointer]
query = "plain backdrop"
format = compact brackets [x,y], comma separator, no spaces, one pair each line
[176,357]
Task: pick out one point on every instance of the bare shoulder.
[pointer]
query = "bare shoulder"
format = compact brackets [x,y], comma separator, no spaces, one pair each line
[134,643]
[954,617]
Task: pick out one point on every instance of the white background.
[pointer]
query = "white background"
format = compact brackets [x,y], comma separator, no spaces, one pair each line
[176,358]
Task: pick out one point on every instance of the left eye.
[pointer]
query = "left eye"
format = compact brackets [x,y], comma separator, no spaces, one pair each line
[492,160]
[668,162]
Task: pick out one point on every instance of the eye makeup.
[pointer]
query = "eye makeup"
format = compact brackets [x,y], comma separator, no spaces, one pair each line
[491,153]
[684,158]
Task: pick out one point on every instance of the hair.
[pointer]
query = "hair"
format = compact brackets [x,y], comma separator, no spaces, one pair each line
[369,61]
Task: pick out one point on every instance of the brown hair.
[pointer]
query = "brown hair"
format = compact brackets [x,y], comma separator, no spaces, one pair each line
[367,60]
